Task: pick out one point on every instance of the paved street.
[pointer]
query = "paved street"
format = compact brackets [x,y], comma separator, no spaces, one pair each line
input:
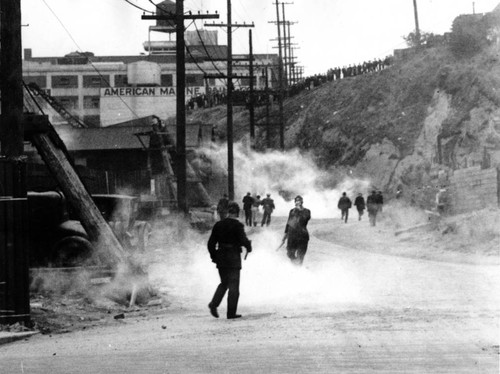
[346,311]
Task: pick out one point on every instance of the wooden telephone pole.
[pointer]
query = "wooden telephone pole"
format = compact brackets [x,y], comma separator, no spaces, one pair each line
[229,96]
[281,64]
[417,28]
[14,274]
[179,18]
[252,95]
[11,130]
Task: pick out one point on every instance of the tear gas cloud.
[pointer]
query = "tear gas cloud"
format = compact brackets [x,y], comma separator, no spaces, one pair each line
[185,274]
[284,175]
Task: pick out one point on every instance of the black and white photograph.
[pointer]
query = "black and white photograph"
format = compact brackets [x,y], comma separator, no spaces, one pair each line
[265,186]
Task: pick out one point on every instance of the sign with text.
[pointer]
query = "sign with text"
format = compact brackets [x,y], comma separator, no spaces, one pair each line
[150,91]
[121,104]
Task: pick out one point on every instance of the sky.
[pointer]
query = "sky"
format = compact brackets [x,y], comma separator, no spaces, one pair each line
[326,33]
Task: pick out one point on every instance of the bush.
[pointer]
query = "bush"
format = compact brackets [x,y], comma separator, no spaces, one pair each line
[469,35]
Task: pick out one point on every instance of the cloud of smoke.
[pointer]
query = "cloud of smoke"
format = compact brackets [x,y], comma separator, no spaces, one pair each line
[185,274]
[284,175]
[270,280]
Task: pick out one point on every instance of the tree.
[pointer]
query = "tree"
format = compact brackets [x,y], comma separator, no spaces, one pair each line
[469,35]
[413,40]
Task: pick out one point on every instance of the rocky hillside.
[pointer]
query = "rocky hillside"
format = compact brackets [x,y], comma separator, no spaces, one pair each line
[406,126]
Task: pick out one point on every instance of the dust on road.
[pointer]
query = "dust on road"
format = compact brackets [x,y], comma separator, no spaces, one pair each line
[347,310]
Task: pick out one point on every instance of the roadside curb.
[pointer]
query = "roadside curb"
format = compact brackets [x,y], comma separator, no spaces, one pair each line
[9,337]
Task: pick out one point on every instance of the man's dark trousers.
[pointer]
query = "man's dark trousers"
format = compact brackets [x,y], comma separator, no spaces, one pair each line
[266,219]
[229,280]
[248,217]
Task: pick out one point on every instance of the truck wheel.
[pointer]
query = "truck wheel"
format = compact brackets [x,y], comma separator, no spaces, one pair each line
[71,251]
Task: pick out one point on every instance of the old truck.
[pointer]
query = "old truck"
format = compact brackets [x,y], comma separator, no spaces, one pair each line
[58,239]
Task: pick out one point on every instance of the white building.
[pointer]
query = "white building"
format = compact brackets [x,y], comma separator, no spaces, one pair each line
[105,90]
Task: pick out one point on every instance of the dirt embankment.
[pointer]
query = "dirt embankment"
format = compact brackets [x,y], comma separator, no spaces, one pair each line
[386,125]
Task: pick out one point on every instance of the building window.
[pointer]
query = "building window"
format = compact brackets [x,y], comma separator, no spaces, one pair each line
[92,121]
[64,81]
[246,81]
[68,102]
[91,102]
[194,80]
[39,80]
[121,80]
[167,80]
[95,80]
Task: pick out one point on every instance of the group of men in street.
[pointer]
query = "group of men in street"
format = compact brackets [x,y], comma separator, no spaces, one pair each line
[373,204]
[252,208]
[228,237]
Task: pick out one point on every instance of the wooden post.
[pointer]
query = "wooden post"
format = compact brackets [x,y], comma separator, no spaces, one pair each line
[181,108]
[77,195]
[252,95]
[11,76]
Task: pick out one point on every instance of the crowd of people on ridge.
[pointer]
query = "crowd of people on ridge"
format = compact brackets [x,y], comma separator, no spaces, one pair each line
[216,97]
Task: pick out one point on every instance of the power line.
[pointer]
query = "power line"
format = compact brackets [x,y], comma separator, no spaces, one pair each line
[88,58]
[138,7]
[206,51]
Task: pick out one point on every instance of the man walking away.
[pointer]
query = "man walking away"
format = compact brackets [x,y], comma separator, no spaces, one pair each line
[247,208]
[257,202]
[372,207]
[359,203]
[268,206]
[344,205]
[222,207]
[296,233]
[224,246]
[380,201]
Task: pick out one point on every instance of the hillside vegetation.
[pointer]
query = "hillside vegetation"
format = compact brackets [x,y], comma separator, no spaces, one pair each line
[385,125]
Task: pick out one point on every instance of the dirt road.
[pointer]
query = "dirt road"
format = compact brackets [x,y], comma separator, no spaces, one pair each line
[346,311]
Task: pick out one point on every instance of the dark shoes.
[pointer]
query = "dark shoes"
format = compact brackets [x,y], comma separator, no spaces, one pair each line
[213,310]
[234,316]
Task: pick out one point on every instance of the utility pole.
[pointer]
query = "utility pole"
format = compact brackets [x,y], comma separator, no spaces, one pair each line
[417,29]
[11,127]
[268,122]
[179,18]
[280,80]
[290,56]
[230,156]
[285,48]
[14,268]
[229,97]
[252,103]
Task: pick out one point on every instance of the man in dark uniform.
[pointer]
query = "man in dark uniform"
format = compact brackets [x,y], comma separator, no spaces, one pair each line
[296,232]
[372,207]
[344,205]
[247,208]
[222,207]
[359,203]
[268,207]
[224,246]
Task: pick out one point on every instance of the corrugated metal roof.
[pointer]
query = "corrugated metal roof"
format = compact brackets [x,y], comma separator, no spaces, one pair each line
[124,138]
